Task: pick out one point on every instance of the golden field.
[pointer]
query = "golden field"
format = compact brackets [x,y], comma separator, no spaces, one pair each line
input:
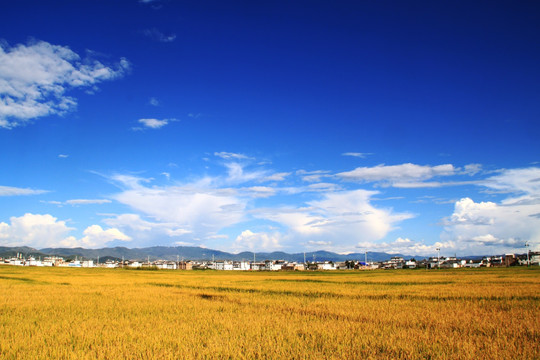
[63,313]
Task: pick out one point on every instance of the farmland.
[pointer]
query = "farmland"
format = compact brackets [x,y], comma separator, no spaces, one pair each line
[115,313]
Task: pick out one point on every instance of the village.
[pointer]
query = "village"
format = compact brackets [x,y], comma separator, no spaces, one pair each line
[396,262]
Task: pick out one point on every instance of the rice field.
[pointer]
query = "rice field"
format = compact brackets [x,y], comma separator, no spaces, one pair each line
[65,313]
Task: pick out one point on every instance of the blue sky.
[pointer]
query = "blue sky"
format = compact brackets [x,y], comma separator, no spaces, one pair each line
[294,126]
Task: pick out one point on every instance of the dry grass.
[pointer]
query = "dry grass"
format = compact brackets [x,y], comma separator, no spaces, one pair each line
[67,313]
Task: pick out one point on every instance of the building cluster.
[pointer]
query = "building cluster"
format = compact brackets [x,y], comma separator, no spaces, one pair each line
[395,262]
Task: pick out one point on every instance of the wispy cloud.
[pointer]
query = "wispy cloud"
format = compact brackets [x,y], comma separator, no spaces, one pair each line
[157,35]
[276,177]
[15,191]
[34,79]
[338,217]
[404,246]
[357,154]
[75,202]
[313,176]
[232,156]
[397,173]
[63,156]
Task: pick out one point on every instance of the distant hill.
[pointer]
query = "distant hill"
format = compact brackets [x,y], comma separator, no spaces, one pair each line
[190,253]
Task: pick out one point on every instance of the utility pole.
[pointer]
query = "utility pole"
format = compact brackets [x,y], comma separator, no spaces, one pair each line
[527,246]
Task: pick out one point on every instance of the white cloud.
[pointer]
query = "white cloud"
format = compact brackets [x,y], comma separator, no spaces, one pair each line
[63,156]
[153,101]
[34,79]
[406,246]
[157,35]
[259,191]
[153,123]
[472,169]
[41,231]
[75,202]
[35,230]
[251,241]
[313,176]
[478,227]
[397,173]
[323,187]
[276,177]
[319,243]
[87,201]
[343,218]
[232,156]
[14,191]
[195,208]
[430,184]
[357,154]
[237,174]
[523,182]
[96,237]
[486,226]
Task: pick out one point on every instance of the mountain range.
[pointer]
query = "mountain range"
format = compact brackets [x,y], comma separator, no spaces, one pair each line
[189,253]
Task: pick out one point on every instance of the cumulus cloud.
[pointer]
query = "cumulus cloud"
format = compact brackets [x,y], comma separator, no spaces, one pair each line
[34,79]
[41,231]
[96,237]
[35,230]
[145,231]
[344,218]
[196,207]
[473,226]
[262,241]
[15,191]
[153,123]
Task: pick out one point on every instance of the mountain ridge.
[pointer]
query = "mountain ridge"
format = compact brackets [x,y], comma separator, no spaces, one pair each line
[192,253]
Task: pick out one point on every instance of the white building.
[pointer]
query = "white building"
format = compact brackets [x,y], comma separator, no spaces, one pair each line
[223,265]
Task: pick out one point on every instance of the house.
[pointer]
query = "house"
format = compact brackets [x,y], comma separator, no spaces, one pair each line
[327,265]
[223,265]
[275,265]
[510,260]
[185,265]
[410,264]
[258,266]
